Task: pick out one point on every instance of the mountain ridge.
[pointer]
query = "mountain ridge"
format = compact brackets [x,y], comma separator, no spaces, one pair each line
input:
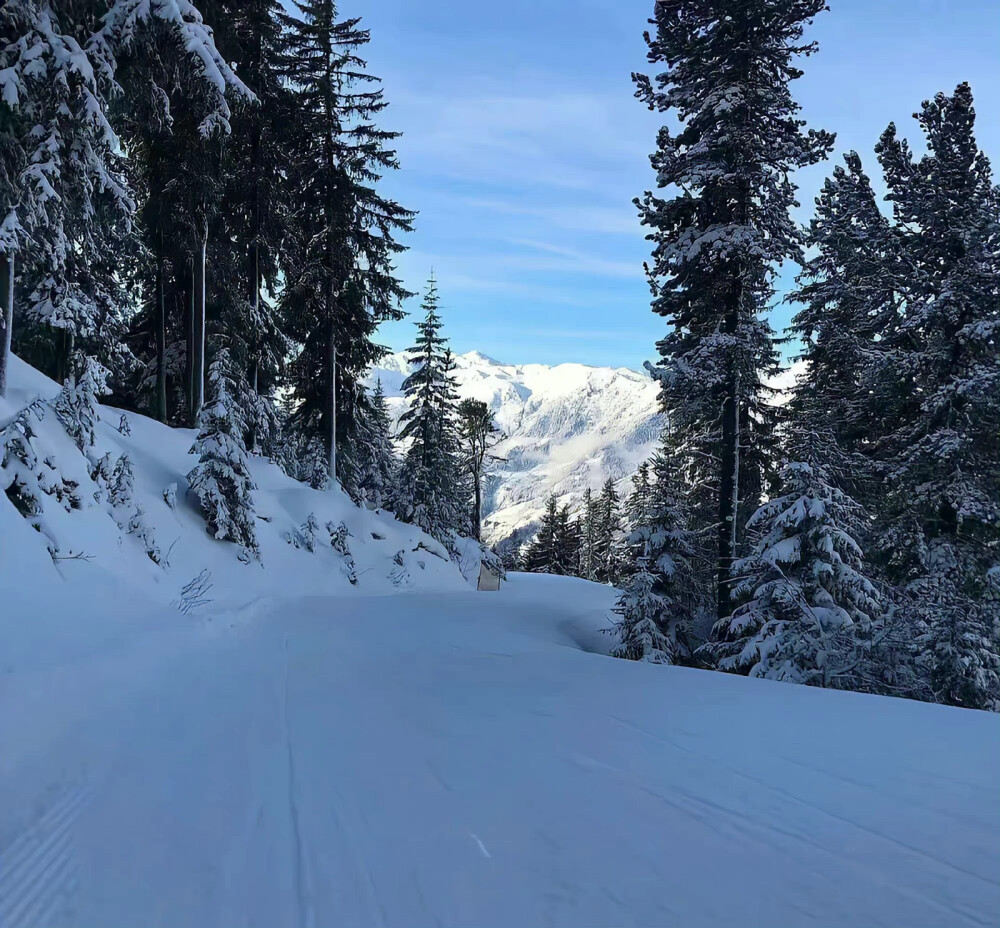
[567,427]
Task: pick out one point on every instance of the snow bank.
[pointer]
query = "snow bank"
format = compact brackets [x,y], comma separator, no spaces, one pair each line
[96,547]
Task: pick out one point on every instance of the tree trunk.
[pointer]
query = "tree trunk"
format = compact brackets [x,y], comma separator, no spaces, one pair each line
[477,510]
[198,330]
[729,492]
[333,405]
[6,315]
[161,339]
[255,346]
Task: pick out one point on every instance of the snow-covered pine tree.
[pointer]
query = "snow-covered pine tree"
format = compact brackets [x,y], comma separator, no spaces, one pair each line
[248,233]
[221,480]
[940,445]
[643,616]
[567,540]
[430,491]
[74,201]
[608,553]
[639,502]
[340,281]
[77,404]
[810,609]
[588,536]
[542,554]
[656,608]
[850,291]
[370,462]
[16,21]
[720,234]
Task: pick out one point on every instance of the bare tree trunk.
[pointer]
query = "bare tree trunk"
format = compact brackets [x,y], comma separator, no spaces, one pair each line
[161,339]
[198,330]
[729,476]
[6,315]
[255,347]
[477,510]
[333,404]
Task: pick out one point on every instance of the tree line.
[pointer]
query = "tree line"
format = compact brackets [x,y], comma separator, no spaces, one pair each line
[191,225]
[850,538]
[191,222]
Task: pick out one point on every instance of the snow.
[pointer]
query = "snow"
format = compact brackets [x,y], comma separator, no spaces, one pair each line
[410,752]
[460,759]
[161,457]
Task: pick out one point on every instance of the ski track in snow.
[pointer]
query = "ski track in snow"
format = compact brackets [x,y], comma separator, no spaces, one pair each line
[456,760]
[38,869]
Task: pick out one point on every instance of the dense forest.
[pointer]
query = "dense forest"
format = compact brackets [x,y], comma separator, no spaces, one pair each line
[192,227]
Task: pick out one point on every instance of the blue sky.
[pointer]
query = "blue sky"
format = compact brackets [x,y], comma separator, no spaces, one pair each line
[523,148]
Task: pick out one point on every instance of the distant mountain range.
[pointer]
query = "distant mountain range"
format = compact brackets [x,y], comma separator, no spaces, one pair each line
[566,427]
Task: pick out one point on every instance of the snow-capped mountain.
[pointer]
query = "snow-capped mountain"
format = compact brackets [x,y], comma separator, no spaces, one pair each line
[567,427]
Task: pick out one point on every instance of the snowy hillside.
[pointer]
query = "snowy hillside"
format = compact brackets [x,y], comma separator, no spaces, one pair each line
[153,543]
[568,427]
[458,758]
[279,745]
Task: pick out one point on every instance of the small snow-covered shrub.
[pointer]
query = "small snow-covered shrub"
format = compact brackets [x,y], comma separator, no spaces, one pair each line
[221,479]
[77,405]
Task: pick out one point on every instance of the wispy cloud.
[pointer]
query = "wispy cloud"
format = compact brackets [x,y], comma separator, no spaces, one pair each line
[604,220]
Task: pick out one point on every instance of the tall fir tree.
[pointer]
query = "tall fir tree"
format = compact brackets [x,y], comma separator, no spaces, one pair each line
[608,551]
[588,536]
[340,283]
[542,554]
[850,292]
[940,383]
[719,237]
[369,464]
[75,202]
[431,483]
[656,607]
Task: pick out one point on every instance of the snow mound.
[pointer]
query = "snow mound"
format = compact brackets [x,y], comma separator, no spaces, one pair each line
[119,517]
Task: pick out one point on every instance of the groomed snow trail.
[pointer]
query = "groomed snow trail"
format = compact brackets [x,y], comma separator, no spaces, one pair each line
[461,760]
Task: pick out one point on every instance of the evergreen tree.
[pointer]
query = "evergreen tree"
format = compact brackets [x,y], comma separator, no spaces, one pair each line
[567,544]
[811,608]
[657,603]
[850,296]
[719,237]
[542,554]
[478,435]
[431,492]
[77,404]
[639,502]
[340,282]
[588,537]
[221,480]
[608,555]
[369,464]
[940,446]
[16,22]
[254,221]
[75,203]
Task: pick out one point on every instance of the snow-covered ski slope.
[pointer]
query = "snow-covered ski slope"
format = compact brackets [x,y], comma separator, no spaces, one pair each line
[301,751]
[464,759]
